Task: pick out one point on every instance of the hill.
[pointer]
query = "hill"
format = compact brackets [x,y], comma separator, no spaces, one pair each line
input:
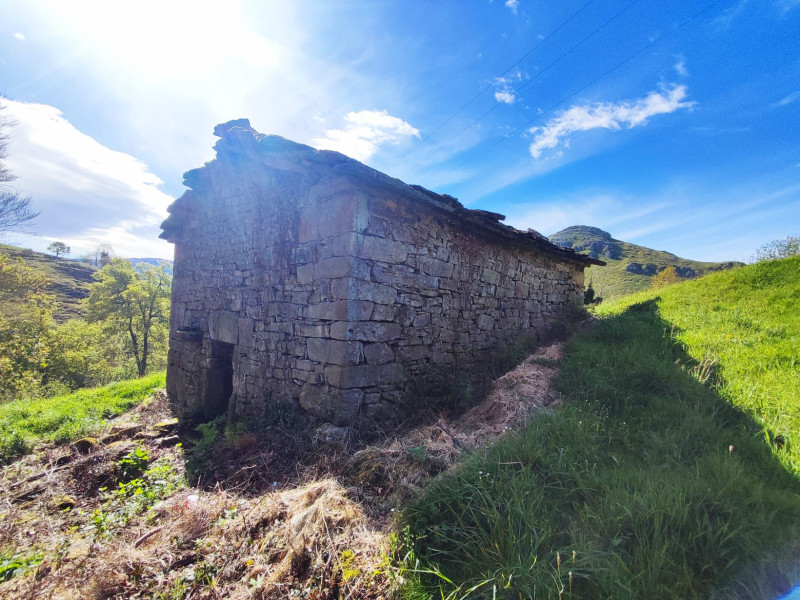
[69,279]
[670,470]
[630,266]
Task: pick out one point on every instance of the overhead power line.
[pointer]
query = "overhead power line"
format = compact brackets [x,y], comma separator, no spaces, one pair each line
[515,91]
[490,85]
[593,81]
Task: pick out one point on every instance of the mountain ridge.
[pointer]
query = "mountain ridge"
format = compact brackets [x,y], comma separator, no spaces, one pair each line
[630,266]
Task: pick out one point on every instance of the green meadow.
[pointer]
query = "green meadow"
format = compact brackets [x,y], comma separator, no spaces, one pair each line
[670,470]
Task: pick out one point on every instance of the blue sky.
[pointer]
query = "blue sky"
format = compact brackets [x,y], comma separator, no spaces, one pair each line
[672,124]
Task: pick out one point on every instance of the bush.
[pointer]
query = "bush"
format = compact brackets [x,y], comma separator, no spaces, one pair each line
[782,248]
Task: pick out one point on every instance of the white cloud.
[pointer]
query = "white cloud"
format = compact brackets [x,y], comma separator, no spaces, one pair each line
[513,5]
[364,133]
[86,193]
[680,67]
[627,114]
[505,96]
[19,36]
[786,100]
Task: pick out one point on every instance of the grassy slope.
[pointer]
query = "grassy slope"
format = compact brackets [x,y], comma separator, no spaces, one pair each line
[661,486]
[613,281]
[69,280]
[24,423]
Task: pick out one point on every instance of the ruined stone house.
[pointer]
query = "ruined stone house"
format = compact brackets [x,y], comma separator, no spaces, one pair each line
[304,276]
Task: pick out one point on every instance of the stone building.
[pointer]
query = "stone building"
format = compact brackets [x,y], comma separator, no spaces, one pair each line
[304,276]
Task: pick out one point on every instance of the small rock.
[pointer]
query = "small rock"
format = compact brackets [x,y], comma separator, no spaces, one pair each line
[84,445]
[171,440]
[119,432]
[62,502]
[329,433]
[167,426]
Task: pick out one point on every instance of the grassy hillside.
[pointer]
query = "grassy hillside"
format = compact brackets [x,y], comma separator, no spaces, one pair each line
[671,470]
[69,280]
[25,423]
[630,267]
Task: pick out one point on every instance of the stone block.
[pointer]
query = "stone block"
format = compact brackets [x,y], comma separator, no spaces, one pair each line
[415,352]
[353,289]
[378,354]
[382,249]
[305,273]
[224,326]
[331,404]
[334,351]
[362,376]
[340,310]
[485,322]
[341,266]
[435,267]
[365,331]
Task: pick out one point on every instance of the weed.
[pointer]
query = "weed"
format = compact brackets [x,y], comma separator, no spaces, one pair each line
[16,564]
[134,496]
[134,463]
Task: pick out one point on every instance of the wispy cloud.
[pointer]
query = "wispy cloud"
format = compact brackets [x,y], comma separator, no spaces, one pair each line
[513,5]
[19,36]
[786,100]
[364,133]
[680,67]
[787,5]
[623,115]
[84,190]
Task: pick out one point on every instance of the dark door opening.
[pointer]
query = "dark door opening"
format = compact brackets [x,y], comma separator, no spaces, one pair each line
[218,379]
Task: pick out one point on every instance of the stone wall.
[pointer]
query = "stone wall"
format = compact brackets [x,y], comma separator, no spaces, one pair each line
[304,276]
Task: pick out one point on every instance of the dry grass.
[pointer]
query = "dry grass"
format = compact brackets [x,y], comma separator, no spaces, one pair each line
[320,530]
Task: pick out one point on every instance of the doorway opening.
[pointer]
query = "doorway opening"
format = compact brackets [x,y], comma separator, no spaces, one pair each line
[218,380]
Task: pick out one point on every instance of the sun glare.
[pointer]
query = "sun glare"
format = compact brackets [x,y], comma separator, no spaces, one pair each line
[167,40]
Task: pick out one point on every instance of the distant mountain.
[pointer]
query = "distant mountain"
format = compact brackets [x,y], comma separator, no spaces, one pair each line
[630,266]
[69,280]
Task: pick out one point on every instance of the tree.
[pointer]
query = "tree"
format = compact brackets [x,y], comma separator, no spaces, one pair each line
[26,328]
[59,248]
[102,255]
[15,209]
[668,276]
[782,248]
[134,301]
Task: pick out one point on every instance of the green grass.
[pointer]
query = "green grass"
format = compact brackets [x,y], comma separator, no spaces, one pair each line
[614,281]
[24,423]
[742,328]
[659,472]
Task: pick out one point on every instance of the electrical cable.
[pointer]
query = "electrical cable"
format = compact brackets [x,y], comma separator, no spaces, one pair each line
[489,86]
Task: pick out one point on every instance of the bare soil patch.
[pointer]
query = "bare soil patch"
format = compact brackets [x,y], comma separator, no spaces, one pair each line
[281,517]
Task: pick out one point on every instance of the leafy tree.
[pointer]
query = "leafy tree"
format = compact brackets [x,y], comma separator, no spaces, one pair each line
[782,248]
[667,276]
[133,301]
[102,255]
[25,331]
[15,209]
[59,248]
